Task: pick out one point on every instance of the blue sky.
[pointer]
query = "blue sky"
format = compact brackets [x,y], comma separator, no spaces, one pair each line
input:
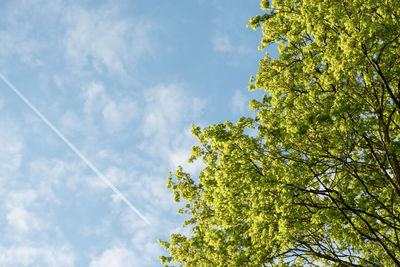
[123,81]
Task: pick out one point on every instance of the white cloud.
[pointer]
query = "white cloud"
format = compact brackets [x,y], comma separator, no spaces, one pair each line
[150,191]
[144,238]
[71,122]
[198,106]
[222,43]
[21,197]
[89,40]
[168,113]
[167,107]
[20,33]
[11,148]
[36,256]
[95,97]
[181,152]
[18,217]
[118,256]
[15,43]
[115,175]
[23,221]
[102,40]
[49,169]
[239,102]
[50,174]
[116,113]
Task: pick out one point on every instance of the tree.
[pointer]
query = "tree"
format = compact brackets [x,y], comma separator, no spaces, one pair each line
[314,177]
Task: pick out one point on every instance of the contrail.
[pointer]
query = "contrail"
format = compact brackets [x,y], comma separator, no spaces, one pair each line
[74,149]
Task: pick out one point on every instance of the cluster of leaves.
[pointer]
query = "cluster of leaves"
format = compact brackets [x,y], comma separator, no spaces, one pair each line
[318,179]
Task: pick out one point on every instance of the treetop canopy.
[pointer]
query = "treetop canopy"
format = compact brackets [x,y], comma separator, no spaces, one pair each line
[319,182]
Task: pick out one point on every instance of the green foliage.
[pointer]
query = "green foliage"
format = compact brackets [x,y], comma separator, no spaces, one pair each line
[319,182]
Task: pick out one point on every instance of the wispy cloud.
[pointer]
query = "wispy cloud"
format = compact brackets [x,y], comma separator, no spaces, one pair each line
[167,107]
[222,42]
[117,256]
[19,35]
[11,147]
[36,256]
[97,40]
[116,112]
[239,102]
[18,217]
[101,40]
[22,220]
[16,44]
